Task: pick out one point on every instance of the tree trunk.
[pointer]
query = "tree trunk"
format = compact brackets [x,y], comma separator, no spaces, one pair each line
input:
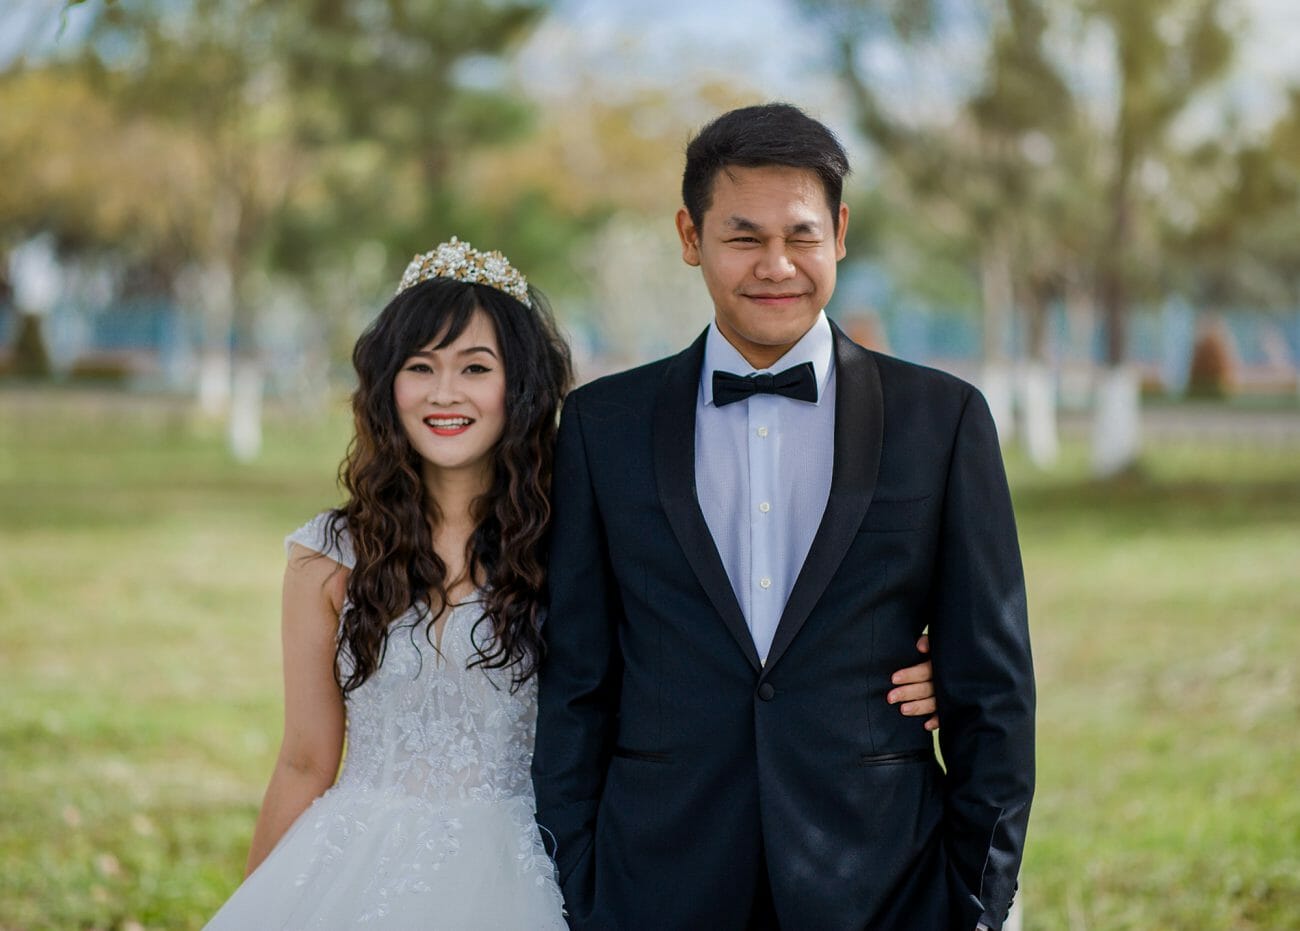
[996,378]
[245,435]
[1116,428]
[1115,431]
[1038,391]
[1038,413]
[212,289]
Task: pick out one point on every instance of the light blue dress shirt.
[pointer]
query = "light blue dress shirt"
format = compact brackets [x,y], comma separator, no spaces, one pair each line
[763,474]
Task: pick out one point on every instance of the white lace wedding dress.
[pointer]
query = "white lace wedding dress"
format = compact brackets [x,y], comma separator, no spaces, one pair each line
[430,824]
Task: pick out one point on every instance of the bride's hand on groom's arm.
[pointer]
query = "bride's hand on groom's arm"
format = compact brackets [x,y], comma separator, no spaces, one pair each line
[914,688]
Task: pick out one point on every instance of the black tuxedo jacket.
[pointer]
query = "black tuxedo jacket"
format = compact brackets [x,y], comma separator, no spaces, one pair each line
[669,760]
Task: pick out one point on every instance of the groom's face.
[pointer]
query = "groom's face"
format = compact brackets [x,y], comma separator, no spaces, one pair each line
[767,247]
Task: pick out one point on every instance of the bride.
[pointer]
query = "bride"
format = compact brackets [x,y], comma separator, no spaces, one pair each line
[411,625]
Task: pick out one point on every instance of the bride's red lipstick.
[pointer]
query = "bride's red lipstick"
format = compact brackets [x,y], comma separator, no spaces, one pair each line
[446,428]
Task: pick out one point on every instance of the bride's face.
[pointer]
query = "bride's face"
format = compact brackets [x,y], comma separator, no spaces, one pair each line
[451,400]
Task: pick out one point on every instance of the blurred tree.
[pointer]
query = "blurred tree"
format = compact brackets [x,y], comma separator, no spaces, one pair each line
[591,193]
[1032,171]
[1048,198]
[231,141]
[980,174]
[1167,51]
[98,181]
[323,125]
[29,359]
[1234,238]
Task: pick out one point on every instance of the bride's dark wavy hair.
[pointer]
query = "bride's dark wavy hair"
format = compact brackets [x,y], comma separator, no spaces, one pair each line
[388,512]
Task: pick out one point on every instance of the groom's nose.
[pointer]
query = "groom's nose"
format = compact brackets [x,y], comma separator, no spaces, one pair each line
[774,264]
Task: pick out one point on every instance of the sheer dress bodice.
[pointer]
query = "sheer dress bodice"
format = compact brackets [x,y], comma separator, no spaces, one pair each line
[430,726]
[427,724]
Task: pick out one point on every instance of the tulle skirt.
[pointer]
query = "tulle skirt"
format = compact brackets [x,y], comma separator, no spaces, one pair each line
[363,859]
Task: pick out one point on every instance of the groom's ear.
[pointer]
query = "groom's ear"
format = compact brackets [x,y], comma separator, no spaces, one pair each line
[689,234]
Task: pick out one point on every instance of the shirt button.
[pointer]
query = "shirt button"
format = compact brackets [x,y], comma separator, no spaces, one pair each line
[765,507]
[764,582]
[761,431]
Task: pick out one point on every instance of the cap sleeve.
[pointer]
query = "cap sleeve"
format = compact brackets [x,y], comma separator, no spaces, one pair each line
[318,535]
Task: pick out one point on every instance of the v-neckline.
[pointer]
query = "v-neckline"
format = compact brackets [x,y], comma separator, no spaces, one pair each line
[473,596]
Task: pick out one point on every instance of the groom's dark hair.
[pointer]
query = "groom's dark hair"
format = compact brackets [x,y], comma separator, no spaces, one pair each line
[755,137]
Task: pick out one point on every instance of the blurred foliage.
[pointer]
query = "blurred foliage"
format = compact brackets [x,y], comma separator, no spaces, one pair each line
[250,138]
[1168,51]
[592,161]
[1051,189]
[219,148]
[1240,249]
[98,179]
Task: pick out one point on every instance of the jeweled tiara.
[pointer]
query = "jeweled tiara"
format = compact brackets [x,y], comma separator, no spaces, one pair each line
[461,261]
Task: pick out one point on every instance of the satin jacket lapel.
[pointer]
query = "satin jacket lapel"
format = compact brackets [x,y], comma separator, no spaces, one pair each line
[674,451]
[859,432]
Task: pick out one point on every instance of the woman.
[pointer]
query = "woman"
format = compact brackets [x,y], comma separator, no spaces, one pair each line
[411,623]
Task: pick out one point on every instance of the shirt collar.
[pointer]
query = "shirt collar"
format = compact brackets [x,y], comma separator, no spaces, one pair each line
[815,346]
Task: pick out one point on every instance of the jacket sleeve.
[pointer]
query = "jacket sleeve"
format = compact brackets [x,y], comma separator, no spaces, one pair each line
[984,677]
[581,672]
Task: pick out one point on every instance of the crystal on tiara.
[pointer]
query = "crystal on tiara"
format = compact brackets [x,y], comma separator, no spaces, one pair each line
[461,261]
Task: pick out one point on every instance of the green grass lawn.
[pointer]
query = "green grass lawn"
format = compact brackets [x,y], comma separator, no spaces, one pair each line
[140,682]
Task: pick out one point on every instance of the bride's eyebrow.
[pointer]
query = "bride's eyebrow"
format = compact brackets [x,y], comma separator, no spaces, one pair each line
[429,353]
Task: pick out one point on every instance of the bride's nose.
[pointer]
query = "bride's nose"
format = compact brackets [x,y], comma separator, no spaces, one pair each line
[445,389]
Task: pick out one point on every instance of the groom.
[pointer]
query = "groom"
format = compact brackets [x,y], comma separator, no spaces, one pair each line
[748,537]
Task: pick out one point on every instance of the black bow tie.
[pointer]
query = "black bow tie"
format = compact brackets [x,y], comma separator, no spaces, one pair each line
[799,382]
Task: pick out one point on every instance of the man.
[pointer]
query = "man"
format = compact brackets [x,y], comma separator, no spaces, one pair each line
[748,537]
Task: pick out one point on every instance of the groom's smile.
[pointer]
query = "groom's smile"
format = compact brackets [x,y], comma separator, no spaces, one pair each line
[767,248]
[776,300]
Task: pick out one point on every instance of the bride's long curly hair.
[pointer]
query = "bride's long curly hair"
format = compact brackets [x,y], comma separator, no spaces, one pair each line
[388,513]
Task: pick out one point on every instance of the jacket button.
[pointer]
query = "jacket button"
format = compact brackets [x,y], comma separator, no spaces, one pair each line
[766,692]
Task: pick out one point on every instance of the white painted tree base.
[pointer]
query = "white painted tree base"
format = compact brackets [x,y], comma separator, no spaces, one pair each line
[1038,413]
[997,383]
[1117,421]
[245,435]
[214,383]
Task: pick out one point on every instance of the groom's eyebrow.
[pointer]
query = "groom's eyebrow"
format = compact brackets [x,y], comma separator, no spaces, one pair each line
[743,225]
[746,225]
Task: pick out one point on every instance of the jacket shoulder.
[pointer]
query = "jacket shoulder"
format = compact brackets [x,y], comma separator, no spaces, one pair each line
[898,376]
[630,388]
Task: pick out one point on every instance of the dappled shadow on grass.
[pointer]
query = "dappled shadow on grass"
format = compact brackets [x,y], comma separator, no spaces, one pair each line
[1138,503]
[105,506]
[1139,500]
